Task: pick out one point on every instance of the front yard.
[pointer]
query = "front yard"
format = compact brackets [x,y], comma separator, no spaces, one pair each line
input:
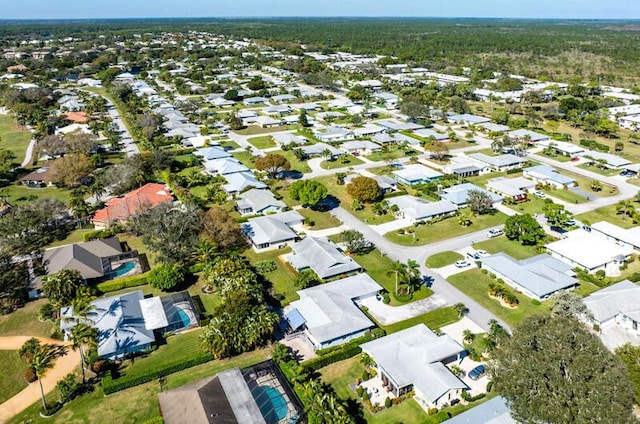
[448,228]
[607,213]
[263,142]
[515,249]
[343,161]
[443,259]
[12,374]
[390,153]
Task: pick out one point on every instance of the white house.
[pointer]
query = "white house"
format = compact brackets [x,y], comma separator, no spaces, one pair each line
[547,175]
[272,231]
[322,256]
[258,202]
[333,134]
[499,163]
[515,188]
[360,147]
[418,209]
[416,174]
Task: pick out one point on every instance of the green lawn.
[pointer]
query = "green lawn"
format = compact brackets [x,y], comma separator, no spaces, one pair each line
[566,195]
[134,405]
[475,284]
[434,320]
[25,322]
[343,161]
[13,138]
[75,236]
[448,228]
[12,374]
[322,220]
[598,170]
[296,165]
[245,158]
[512,248]
[585,184]
[443,259]
[256,129]
[533,205]
[607,213]
[481,180]
[282,278]
[377,266]
[135,243]
[262,142]
[16,193]
[390,153]
[557,157]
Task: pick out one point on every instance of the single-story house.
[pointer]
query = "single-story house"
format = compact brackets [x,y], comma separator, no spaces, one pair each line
[41,177]
[547,175]
[501,162]
[467,119]
[258,394]
[616,306]
[419,209]
[240,181]
[538,277]
[385,183]
[325,116]
[491,127]
[309,107]
[610,161]
[322,256]
[222,102]
[494,411]
[263,121]
[252,101]
[428,133]
[212,153]
[416,174]
[590,250]
[245,114]
[285,139]
[277,110]
[562,147]
[318,149]
[121,209]
[272,231]
[360,147]
[333,134]
[459,194]
[258,202]
[414,359]
[396,125]
[328,314]
[531,136]
[515,188]
[463,166]
[281,98]
[623,236]
[368,130]
[224,166]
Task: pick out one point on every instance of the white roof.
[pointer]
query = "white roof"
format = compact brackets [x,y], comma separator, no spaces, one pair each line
[322,256]
[588,249]
[510,186]
[630,236]
[418,208]
[153,313]
[417,172]
[622,297]
[272,228]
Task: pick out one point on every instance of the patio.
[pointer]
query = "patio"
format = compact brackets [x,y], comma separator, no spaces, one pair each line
[300,348]
[615,336]
[376,390]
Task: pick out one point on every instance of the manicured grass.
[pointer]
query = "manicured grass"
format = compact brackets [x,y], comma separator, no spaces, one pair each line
[12,381]
[566,195]
[443,259]
[557,157]
[607,213]
[229,144]
[533,205]
[343,161]
[13,138]
[598,170]
[434,320]
[16,193]
[25,322]
[134,405]
[586,288]
[475,284]
[75,236]
[365,215]
[512,248]
[322,220]
[245,158]
[390,153]
[296,165]
[377,265]
[481,180]
[263,142]
[448,228]
[256,129]
[135,243]
[282,278]
[585,184]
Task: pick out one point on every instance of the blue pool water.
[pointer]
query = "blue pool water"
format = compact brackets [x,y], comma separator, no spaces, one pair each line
[123,269]
[273,405]
[184,318]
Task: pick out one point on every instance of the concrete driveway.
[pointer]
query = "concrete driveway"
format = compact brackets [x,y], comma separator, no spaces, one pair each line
[387,315]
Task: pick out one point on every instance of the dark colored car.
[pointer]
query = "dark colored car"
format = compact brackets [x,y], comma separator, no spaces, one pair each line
[558,229]
[477,372]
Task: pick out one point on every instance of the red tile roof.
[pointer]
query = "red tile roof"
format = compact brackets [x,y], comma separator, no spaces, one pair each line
[78,117]
[123,208]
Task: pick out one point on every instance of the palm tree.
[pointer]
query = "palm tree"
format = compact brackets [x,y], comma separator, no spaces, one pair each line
[461,309]
[40,358]
[626,208]
[414,279]
[468,336]
[326,155]
[464,219]
[366,360]
[83,335]
[399,271]
[596,185]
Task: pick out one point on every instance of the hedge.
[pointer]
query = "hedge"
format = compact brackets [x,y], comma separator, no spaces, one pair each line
[337,356]
[109,385]
[101,234]
[123,283]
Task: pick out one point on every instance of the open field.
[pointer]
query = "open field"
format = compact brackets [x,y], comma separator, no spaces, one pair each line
[25,322]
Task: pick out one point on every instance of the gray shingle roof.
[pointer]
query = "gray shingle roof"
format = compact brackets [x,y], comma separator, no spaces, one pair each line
[272,228]
[85,258]
[494,411]
[417,208]
[258,200]
[322,256]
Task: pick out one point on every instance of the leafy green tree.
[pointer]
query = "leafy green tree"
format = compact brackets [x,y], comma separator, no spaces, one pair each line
[68,387]
[273,164]
[630,356]
[62,287]
[556,214]
[40,358]
[303,119]
[438,150]
[554,370]
[166,277]
[569,305]
[223,230]
[231,95]
[355,242]
[524,228]
[307,278]
[364,189]
[230,274]
[480,202]
[309,192]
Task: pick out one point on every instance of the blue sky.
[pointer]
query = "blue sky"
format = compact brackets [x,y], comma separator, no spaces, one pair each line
[572,9]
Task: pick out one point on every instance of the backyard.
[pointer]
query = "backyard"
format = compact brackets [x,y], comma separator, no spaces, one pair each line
[447,228]
[12,374]
[343,161]
[13,138]
[283,276]
[296,165]
[25,322]
[321,220]
[17,192]
[395,151]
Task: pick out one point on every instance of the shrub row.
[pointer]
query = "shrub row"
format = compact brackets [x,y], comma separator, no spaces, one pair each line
[101,234]
[513,171]
[592,144]
[337,356]
[369,335]
[497,290]
[123,283]
[109,385]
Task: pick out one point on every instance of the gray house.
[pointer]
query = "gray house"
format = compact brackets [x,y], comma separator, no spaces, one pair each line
[323,257]
[272,231]
[258,202]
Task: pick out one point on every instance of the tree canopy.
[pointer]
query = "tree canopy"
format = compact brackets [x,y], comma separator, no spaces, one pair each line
[309,192]
[62,287]
[273,164]
[364,189]
[524,228]
[166,277]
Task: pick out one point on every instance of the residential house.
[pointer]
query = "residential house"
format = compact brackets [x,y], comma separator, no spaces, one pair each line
[121,209]
[332,134]
[385,183]
[562,147]
[499,163]
[368,130]
[467,119]
[258,202]
[428,133]
[278,110]
[418,209]
[416,174]
[623,236]
[547,175]
[319,149]
[414,360]
[513,188]
[495,128]
[272,231]
[283,98]
[459,194]
[285,139]
[328,314]
[396,125]
[212,153]
[494,411]
[528,135]
[41,177]
[224,166]
[253,101]
[241,181]
[538,277]
[591,251]
[360,147]
[606,160]
[323,257]
[464,166]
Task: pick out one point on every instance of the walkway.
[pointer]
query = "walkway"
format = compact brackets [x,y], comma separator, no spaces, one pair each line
[31,394]
[28,156]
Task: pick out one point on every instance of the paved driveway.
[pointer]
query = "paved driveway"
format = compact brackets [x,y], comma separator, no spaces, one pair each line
[386,314]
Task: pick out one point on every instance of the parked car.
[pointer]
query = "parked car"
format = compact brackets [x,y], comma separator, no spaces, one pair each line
[558,229]
[495,233]
[539,194]
[483,253]
[473,255]
[477,372]
[571,223]
[462,264]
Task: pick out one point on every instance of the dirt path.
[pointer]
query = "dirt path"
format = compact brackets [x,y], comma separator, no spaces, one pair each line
[31,394]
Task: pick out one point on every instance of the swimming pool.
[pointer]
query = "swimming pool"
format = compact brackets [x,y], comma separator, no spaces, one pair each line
[122,269]
[273,405]
[184,317]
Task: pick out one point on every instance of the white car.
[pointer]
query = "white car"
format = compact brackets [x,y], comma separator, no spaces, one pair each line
[495,233]
[462,264]
[483,253]
[539,194]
